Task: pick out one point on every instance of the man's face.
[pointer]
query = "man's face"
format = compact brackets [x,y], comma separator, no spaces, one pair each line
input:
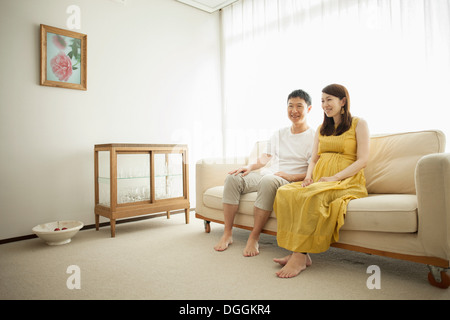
[297,110]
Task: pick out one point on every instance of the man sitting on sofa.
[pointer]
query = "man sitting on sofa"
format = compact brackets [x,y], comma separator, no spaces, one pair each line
[288,152]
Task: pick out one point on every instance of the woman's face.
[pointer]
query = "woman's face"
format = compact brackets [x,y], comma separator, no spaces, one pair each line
[332,105]
[297,110]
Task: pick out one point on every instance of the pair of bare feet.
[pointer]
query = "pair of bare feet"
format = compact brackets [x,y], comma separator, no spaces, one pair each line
[292,264]
[251,249]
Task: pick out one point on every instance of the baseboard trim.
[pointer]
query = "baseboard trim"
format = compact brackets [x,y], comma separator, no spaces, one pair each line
[102,224]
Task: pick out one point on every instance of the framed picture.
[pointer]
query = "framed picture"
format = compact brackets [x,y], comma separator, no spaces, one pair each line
[63,58]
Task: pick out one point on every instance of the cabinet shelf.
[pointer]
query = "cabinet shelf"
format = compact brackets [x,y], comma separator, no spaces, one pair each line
[137,179]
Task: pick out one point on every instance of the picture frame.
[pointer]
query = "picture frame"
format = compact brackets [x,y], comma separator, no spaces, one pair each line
[63,58]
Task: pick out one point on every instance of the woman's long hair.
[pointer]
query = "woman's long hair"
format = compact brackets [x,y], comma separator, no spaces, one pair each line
[328,128]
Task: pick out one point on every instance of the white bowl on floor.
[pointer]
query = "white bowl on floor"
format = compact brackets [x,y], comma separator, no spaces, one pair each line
[58,232]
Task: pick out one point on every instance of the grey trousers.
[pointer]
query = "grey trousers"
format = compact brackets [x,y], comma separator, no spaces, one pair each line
[265,186]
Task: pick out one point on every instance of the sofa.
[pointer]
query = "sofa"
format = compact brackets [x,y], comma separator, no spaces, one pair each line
[406,215]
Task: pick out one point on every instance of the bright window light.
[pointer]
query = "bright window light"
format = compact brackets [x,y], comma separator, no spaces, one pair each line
[392,55]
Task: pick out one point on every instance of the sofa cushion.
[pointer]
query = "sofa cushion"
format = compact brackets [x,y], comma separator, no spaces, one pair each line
[377,212]
[393,158]
[383,213]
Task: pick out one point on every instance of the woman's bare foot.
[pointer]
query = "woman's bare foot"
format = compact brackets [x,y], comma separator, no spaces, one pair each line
[296,263]
[252,248]
[283,261]
[224,242]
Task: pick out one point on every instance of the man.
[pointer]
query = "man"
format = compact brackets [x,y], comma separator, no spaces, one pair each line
[288,152]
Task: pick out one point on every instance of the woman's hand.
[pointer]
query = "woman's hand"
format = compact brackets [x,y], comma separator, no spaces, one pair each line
[328,179]
[307,182]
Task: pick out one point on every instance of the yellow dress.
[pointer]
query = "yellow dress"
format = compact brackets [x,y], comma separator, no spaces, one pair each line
[309,218]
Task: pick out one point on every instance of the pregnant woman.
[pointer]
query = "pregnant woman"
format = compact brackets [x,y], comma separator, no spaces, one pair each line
[310,213]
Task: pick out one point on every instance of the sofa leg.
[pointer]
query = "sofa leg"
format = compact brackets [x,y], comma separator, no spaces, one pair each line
[438,277]
[207,226]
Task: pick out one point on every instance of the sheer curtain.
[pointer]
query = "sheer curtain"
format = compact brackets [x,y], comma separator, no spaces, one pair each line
[392,55]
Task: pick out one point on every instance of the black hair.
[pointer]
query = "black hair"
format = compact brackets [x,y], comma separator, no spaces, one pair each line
[300,94]
[327,128]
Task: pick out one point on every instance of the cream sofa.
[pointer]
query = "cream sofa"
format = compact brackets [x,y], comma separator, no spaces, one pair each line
[406,215]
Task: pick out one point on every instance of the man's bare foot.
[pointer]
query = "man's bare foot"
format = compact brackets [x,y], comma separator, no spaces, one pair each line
[252,248]
[223,243]
[296,263]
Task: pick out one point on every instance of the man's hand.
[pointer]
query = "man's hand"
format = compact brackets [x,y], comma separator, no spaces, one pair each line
[245,171]
[284,175]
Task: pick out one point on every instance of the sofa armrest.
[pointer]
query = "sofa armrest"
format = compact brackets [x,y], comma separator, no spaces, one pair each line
[433,196]
[211,172]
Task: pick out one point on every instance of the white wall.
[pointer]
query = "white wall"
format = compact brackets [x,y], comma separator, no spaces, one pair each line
[153,77]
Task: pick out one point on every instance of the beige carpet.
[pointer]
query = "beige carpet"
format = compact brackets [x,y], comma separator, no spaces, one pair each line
[167,259]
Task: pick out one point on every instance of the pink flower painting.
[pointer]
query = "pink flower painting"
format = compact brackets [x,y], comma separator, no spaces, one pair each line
[61,66]
[63,58]
[59,42]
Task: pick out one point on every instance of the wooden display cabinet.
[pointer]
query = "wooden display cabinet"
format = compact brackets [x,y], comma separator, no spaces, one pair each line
[138,179]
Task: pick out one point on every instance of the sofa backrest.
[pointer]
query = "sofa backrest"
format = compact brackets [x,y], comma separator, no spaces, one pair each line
[392,160]
[259,148]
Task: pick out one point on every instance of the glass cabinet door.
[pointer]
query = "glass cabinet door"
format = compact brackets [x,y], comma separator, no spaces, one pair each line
[168,175]
[133,177]
[104,187]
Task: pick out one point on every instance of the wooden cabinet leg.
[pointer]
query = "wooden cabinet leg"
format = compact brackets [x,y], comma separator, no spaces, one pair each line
[97,222]
[186,215]
[113,228]
[168,214]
